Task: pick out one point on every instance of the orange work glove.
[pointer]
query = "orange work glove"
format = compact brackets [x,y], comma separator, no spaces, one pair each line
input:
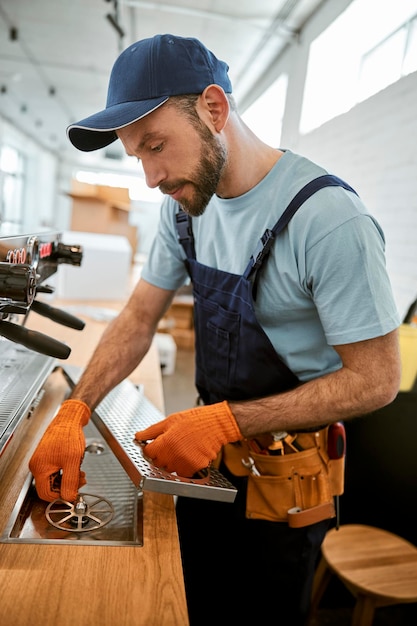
[61,448]
[188,441]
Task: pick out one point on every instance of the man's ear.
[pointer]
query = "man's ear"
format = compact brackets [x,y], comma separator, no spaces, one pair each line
[216,105]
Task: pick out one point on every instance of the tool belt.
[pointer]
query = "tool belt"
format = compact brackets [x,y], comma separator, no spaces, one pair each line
[293,478]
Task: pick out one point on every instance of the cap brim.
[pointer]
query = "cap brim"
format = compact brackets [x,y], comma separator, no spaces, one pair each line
[98,130]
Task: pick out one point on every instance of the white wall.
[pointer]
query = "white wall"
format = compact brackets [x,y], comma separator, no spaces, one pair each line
[373,147]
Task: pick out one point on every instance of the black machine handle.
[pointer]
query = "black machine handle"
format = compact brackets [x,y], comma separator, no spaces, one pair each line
[56,315]
[34,340]
[44,289]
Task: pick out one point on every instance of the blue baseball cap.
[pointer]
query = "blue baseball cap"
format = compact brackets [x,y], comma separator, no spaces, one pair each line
[143,77]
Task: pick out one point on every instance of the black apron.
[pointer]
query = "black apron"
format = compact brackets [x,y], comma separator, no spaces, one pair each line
[258,572]
[235,359]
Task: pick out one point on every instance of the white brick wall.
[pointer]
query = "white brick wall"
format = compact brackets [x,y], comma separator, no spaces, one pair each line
[373,147]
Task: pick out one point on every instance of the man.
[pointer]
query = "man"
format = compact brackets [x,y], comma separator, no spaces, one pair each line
[293,332]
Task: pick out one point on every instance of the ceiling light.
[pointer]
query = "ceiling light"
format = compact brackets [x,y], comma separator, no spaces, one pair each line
[115,24]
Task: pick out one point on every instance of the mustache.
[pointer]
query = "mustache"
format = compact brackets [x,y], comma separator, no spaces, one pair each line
[170,187]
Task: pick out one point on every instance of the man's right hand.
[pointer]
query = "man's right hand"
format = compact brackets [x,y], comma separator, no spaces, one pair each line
[61,448]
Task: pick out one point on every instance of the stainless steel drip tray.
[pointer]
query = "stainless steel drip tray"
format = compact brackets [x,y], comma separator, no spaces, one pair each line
[114,514]
[110,511]
[123,412]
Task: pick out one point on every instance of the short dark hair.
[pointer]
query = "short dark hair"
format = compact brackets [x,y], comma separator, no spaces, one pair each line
[187,104]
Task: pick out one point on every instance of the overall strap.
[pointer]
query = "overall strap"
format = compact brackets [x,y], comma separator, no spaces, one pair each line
[186,236]
[267,239]
[185,233]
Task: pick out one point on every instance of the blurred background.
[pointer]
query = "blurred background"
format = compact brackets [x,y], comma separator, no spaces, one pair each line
[332,79]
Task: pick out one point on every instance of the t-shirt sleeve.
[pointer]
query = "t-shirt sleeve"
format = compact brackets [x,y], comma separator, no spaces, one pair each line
[347,277]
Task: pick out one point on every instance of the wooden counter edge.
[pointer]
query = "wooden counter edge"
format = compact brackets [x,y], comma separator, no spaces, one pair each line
[136,586]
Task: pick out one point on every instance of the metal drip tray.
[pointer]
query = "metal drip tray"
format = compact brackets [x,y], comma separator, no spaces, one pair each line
[117,474]
[114,516]
[123,412]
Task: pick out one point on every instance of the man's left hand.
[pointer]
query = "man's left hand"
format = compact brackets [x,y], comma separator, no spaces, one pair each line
[188,441]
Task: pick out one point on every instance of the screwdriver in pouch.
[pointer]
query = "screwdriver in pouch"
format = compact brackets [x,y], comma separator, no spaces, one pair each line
[277,446]
[336,449]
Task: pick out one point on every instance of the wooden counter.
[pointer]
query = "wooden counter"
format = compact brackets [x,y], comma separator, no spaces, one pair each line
[61,585]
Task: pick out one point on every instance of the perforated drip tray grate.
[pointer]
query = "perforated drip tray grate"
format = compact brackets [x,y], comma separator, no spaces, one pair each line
[123,412]
[114,516]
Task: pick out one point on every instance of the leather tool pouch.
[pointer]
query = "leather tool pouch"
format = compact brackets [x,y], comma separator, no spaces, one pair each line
[296,487]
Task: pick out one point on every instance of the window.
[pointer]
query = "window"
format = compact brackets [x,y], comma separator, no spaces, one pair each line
[388,61]
[264,116]
[368,47]
[410,57]
[11,188]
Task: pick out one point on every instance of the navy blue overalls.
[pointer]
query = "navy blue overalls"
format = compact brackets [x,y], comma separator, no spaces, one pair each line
[235,360]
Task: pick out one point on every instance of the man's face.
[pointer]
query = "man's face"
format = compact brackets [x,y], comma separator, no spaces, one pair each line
[181,157]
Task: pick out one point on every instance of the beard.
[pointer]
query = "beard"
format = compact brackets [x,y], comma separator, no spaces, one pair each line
[207,175]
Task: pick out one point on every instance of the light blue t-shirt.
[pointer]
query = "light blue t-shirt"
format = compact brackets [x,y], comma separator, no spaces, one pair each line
[325,281]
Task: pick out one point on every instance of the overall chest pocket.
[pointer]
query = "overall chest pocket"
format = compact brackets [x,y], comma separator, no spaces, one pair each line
[218,330]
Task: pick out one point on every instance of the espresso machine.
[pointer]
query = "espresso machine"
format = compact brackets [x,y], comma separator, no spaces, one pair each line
[109,510]
[27,357]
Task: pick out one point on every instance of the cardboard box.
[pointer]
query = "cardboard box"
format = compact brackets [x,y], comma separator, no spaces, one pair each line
[102,209]
[179,321]
[181,312]
[185,339]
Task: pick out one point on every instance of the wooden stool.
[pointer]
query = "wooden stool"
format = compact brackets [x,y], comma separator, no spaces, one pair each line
[376,566]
